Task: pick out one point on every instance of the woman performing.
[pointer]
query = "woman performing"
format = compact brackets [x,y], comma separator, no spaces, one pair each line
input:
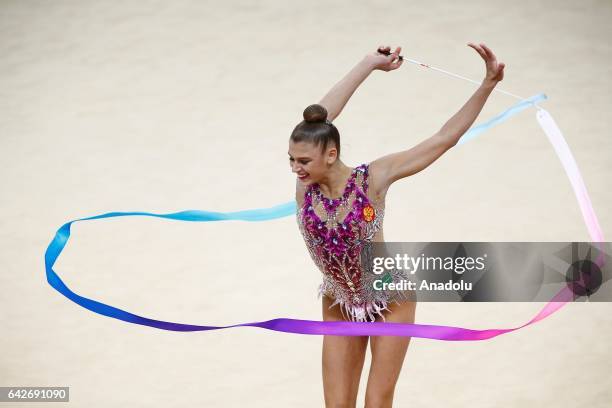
[341,209]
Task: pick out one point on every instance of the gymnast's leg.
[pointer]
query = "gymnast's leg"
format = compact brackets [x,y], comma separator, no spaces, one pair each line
[388,354]
[343,358]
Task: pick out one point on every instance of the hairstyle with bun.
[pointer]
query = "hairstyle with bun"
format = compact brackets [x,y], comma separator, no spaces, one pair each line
[316,129]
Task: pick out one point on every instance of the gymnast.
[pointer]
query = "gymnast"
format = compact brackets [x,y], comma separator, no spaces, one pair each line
[341,209]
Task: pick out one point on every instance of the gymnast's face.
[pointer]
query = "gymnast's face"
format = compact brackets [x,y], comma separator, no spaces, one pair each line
[307,161]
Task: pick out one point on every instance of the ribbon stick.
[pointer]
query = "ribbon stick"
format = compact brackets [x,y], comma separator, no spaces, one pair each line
[345,328]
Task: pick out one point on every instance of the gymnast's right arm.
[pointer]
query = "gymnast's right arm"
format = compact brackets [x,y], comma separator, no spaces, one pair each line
[340,93]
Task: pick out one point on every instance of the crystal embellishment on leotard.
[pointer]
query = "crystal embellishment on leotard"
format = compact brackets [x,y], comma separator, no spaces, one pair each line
[336,243]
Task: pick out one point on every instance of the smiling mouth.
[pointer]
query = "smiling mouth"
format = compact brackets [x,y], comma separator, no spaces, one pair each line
[302,177]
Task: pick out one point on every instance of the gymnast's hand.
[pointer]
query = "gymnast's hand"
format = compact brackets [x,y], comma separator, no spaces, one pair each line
[495,70]
[383,60]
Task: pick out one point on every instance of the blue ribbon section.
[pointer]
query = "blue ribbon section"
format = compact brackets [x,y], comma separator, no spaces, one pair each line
[505,115]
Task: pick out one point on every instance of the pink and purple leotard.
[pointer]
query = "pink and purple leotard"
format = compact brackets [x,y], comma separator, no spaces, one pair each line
[335,231]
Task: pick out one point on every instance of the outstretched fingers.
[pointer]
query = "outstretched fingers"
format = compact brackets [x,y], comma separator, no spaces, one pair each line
[488,51]
[479,50]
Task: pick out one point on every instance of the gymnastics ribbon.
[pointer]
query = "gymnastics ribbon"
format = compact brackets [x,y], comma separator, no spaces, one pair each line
[345,328]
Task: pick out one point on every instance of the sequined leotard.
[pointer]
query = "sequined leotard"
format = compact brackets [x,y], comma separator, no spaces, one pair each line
[335,244]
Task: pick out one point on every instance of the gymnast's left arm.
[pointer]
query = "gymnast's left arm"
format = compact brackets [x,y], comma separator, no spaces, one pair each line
[396,166]
[335,100]
[462,120]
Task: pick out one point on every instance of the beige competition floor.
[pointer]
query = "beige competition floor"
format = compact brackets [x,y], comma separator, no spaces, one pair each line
[167,106]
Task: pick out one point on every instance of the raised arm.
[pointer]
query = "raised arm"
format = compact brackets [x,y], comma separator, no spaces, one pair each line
[396,166]
[335,100]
